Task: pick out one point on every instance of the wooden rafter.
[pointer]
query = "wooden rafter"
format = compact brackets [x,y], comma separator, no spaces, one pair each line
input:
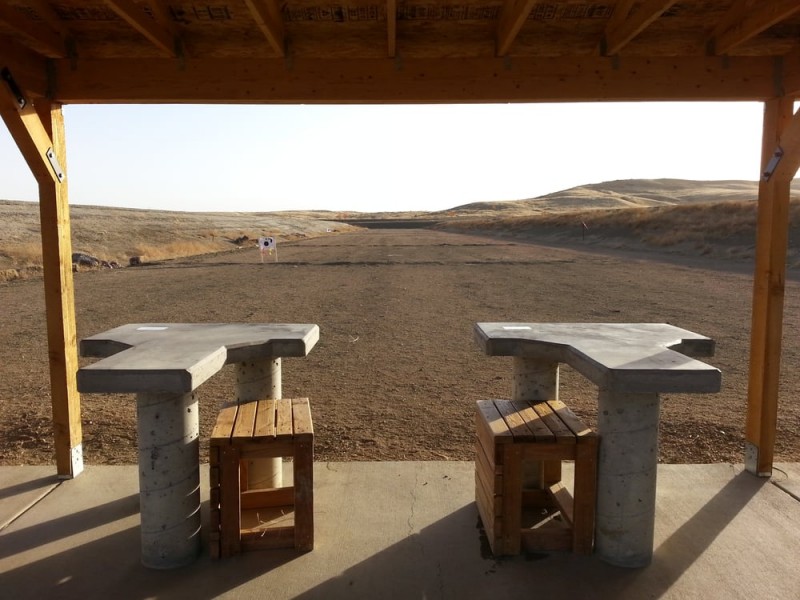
[391,28]
[50,16]
[29,68]
[36,33]
[161,14]
[747,20]
[618,35]
[267,16]
[544,79]
[511,20]
[735,14]
[132,14]
[620,14]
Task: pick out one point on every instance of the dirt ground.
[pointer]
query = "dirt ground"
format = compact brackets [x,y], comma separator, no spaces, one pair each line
[396,372]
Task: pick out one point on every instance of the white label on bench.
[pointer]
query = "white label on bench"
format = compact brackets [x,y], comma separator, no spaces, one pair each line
[150,328]
[516,327]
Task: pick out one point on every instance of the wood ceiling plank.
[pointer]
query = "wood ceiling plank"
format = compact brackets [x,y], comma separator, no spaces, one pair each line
[620,14]
[134,16]
[547,79]
[754,20]
[511,20]
[38,33]
[267,16]
[618,35]
[50,16]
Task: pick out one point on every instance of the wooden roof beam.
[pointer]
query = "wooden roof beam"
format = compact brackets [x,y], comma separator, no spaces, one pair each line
[52,18]
[163,17]
[755,18]
[267,15]
[37,34]
[391,28]
[28,69]
[790,78]
[134,16]
[344,81]
[511,20]
[618,34]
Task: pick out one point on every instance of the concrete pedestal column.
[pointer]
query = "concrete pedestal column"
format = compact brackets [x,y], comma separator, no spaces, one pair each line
[169,478]
[626,477]
[536,381]
[256,380]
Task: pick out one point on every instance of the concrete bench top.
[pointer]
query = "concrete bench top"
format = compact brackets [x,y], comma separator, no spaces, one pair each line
[178,357]
[624,357]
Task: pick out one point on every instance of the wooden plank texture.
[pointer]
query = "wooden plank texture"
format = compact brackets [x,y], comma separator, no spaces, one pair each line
[245,422]
[265,420]
[223,427]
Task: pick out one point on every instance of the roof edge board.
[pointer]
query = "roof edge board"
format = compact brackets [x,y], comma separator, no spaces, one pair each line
[379,81]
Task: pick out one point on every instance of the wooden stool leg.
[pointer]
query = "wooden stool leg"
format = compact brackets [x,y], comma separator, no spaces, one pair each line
[230,502]
[512,499]
[214,493]
[585,495]
[304,495]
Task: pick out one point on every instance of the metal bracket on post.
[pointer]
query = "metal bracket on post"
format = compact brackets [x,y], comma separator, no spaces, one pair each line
[59,172]
[773,164]
[14,87]
[751,460]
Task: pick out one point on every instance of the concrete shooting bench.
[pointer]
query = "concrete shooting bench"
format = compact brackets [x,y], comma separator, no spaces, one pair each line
[631,363]
[163,364]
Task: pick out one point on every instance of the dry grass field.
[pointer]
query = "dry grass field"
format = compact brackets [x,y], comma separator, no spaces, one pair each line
[396,374]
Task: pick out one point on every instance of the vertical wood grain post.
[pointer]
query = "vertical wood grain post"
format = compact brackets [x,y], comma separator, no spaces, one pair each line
[38,132]
[772,233]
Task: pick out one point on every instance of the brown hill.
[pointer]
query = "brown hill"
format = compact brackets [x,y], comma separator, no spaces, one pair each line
[666,215]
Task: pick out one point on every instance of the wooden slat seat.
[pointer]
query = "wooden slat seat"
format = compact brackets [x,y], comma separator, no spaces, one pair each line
[252,519]
[521,499]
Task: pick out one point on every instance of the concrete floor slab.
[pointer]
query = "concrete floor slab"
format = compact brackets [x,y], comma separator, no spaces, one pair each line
[787,477]
[22,487]
[408,530]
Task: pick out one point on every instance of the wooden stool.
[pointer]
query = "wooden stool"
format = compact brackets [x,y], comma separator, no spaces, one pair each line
[519,441]
[243,519]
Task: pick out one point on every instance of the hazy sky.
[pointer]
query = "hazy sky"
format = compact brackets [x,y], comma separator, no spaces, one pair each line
[375,158]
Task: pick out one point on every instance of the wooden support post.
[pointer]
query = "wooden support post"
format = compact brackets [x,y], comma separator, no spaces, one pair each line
[39,134]
[780,135]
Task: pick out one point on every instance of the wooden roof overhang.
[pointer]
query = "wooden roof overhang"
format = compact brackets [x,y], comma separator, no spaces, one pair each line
[55,52]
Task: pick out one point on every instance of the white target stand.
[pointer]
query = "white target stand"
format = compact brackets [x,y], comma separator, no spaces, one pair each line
[268,245]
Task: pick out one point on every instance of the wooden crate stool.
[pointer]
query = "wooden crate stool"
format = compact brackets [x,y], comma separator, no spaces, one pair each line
[520,441]
[253,519]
